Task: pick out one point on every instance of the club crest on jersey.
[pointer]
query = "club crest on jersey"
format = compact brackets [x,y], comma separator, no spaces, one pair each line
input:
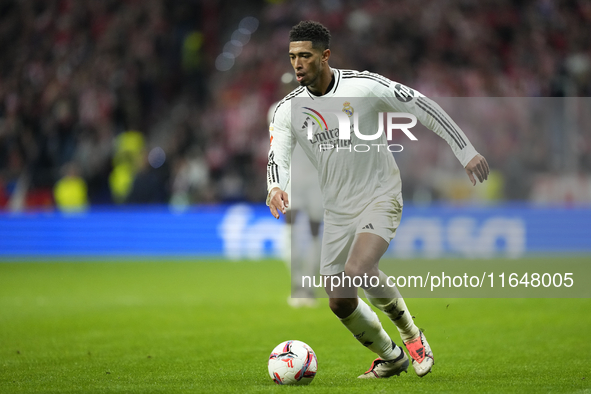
[347,108]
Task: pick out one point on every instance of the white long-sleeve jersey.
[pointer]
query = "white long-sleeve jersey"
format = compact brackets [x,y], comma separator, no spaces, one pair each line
[350,175]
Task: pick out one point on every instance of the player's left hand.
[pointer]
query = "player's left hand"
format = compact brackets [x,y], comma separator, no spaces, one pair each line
[479,167]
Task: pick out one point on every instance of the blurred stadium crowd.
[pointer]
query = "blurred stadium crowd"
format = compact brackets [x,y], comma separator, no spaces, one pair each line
[165,101]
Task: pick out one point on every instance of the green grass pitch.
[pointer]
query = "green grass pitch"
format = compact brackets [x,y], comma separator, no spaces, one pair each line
[209,326]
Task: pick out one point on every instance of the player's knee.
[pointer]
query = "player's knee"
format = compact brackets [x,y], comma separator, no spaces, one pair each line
[354,271]
[359,271]
[342,307]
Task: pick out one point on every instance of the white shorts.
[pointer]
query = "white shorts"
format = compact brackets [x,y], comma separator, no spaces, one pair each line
[381,217]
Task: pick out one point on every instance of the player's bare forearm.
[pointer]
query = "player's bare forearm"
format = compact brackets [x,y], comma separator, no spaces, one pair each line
[479,167]
[278,202]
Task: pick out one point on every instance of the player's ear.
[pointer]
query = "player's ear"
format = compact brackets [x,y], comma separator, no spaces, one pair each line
[325,55]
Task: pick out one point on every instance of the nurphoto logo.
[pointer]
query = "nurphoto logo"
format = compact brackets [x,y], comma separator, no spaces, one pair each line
[340,138]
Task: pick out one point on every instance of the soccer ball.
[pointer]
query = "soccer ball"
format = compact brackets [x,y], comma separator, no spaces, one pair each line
[293,363]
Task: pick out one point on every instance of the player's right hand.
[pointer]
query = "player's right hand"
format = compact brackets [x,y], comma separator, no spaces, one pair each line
[278,202]
[479,167]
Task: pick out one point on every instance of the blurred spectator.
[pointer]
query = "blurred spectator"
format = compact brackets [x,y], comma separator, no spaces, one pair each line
[190,184]
[70,192]
[127,161]
[150,183]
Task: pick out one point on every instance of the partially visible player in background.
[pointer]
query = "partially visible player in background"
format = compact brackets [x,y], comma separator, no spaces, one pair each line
[304,258]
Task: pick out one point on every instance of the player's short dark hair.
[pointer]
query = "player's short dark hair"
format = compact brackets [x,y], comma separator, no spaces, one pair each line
[311,31]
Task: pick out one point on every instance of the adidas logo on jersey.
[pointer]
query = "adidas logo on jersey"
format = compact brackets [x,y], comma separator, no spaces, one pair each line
[367,226]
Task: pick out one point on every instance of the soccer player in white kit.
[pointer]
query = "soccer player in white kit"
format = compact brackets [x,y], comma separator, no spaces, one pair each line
[361,191]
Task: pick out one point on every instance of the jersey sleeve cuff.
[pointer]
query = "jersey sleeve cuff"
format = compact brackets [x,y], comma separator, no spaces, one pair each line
[468,155]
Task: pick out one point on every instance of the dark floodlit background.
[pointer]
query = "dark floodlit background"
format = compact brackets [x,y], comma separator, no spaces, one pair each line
[114,108]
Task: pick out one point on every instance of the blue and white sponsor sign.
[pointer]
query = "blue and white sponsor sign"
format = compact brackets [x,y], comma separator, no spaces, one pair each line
[249,231]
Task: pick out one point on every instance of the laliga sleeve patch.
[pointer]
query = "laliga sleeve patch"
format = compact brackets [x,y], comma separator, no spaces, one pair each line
[403,93]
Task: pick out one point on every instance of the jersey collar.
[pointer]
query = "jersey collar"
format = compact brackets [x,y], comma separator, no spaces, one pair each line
[332,86]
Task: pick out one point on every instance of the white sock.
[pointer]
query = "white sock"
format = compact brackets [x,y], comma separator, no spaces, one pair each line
[388,300]
[367,329]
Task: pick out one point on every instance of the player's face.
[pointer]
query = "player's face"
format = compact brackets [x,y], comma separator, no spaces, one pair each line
[307,61]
